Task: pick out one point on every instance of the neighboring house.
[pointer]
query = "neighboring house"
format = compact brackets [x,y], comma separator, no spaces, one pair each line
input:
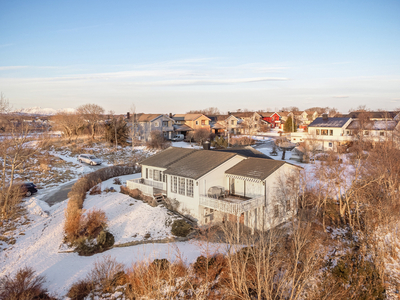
[233,124]
[324,134]
[273,118]
[252,187]
[374,130]
[311,116]
[146,123]
[251,121]
[218,124]
[194,121]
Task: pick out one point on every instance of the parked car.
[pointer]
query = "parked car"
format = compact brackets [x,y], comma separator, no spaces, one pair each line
[89,159]
[177,138]
[28,188]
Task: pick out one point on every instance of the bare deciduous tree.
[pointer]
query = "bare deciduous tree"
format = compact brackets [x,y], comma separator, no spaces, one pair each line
[92,113]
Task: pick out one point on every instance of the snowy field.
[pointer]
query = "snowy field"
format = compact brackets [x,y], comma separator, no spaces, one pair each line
[38,243]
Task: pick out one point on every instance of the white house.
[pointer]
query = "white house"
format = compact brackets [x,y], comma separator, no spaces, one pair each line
[251,189]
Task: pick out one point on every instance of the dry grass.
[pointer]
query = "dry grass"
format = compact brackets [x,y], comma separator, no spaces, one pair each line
[25,285]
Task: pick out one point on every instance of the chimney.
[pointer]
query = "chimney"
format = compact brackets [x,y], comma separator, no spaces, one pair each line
[170,115]
[128,115]
[206,145]
[325,117]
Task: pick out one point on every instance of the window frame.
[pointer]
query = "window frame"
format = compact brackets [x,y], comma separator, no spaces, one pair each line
[189,188]
[181,186]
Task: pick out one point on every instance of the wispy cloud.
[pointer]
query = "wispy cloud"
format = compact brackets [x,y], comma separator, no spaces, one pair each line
[12,68]
[208,81]
[5,45]
[341,96]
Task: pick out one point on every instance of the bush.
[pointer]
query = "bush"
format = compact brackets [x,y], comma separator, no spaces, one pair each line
[157,141]
[25,285]
[117,181]
[93,222]
[73,228]
[107,273]
[96,190]
[242,141]
[86,246]
[80,290]
[181,228]
[161,264]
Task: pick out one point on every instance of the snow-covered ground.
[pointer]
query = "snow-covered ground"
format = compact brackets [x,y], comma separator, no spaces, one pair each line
[38,243]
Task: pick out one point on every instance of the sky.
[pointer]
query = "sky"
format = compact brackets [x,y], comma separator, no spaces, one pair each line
[175,56]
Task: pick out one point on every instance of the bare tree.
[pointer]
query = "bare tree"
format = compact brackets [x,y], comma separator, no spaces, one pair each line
[92,114]
[69,123]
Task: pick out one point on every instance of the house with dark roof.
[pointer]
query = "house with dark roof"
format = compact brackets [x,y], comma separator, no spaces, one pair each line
[217,186]
[146,123]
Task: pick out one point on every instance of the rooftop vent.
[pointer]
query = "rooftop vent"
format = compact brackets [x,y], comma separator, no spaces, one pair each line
[324,116]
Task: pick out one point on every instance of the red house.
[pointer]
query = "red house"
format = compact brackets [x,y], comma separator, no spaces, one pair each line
[272,118]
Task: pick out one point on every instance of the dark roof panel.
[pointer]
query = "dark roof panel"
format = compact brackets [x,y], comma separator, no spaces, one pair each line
[246,151]
[257,168]
[198,163]
[329,122]
[167,157]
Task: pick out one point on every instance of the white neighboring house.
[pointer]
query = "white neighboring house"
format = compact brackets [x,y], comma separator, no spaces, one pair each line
[255,193]
[324,133]
[374,131]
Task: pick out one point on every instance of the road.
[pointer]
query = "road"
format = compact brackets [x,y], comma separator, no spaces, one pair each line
[61,194]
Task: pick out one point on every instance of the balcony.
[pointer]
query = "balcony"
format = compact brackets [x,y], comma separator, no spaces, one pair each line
[147,187]
[232,205]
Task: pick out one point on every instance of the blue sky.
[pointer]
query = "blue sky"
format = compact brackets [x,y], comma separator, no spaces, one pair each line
[174,56]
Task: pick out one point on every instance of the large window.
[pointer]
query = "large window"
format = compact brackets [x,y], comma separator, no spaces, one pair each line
[203,122]
[181,190]
[317,131]
[151,173]
[165,123]
[189,187]
[324,131]
[174,184]
[330,132]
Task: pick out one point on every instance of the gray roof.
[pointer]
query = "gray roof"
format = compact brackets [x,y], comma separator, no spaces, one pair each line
[374,125]
[182,127]
[246,151]
[329,122]
[258,168]
[167,157]
[198,163]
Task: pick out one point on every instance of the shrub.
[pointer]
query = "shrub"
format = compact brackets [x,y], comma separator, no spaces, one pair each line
[25,285]
[242,141]
[117,181]
[157,141]
[161,264]
[105,239]
[96,190]
[180,228]
[107,273]
[87,246]
[80,290]
[93,222]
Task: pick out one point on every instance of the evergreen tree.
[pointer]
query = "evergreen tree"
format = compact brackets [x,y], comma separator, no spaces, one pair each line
[121,132]
[290,126]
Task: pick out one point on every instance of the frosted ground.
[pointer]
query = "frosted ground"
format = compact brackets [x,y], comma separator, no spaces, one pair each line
[38,244]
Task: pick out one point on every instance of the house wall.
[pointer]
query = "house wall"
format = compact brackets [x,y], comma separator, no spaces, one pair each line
[197,124]
[145,128]
[190,205]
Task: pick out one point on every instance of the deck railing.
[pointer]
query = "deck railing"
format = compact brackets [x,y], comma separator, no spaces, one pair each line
[234,208]
[146,186]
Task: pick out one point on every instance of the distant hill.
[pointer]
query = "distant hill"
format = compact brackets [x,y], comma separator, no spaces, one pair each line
[39,111]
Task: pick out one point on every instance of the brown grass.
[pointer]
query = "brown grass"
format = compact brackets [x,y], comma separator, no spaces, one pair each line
[25,285]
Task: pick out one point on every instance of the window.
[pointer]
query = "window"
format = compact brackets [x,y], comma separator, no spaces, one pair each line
[276,211]
[330,132]
[324,131]
[156,124]
[147,173]
[203,122]
[317,131]
[382,133]
[232,122]
[165,123]
[330,145]
[181,186]
[189,188]
[366,132]
[197,122]
[151,173]
[174,180]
